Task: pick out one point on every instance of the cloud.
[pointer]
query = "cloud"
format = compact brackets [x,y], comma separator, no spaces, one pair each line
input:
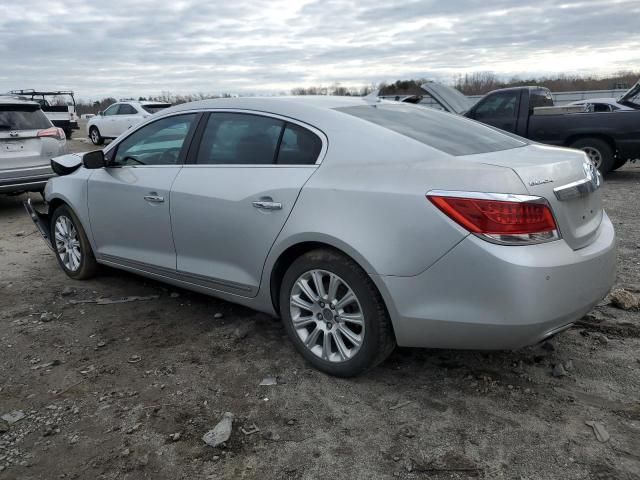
[142,47]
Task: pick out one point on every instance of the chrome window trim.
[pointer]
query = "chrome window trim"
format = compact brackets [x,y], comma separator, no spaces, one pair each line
[323,137]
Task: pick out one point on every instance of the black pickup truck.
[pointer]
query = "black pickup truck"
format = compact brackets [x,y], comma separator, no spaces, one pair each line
[610,138]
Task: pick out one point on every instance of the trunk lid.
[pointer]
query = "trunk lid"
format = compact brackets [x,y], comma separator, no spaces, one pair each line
[630,96]
[545,170]
[21,150]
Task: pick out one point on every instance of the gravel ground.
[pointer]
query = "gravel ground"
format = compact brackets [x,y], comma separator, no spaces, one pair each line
[127,390]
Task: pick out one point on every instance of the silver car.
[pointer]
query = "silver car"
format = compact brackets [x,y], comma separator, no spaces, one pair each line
[28,141]
[361,223]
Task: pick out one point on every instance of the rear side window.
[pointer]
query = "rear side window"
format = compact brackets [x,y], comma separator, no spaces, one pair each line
[541,98]
[239,139]
[155,108]
[449,133]
[126,109]
[299,146]
[22,117]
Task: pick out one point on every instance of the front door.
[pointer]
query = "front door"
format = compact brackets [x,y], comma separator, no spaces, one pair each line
[129,201]
[229,205]
[126,117]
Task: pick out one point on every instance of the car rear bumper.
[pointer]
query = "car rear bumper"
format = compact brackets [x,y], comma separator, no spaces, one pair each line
[486,296]
[25,179]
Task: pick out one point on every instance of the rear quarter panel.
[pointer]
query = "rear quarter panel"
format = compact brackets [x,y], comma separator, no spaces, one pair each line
[368,199]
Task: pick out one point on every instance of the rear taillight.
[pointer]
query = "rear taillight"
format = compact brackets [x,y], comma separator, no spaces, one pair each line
[500,218]
[52,132]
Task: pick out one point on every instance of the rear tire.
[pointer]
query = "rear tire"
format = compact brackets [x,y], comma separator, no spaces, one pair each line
[71,246]
[67,133]
[619,163]
[599,152]
[94,135]
[351,337]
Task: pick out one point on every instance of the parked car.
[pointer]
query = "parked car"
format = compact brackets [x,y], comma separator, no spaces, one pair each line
[120,117]
[362,224]
[28,141]
[62,116]
[630,100]
[608,138]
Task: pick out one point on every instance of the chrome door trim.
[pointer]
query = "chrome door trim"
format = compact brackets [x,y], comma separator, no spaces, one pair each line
[577,189]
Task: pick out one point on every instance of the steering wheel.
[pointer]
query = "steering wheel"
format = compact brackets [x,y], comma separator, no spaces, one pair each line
[169,156]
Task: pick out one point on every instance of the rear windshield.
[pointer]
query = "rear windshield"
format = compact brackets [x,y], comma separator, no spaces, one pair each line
[22,117]
[446,132]
[155,108]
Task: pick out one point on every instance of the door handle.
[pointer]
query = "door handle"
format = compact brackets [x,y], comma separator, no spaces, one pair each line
[267,205]
[154,198]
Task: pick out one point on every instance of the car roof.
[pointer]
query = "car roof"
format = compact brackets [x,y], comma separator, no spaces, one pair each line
[13,100]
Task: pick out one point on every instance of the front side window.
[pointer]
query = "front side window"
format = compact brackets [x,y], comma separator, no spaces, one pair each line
[126,109]
[500,105]
[112,110]
[239,139]
[159,143]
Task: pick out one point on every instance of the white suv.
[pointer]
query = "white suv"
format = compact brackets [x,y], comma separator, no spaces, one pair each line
[119,117]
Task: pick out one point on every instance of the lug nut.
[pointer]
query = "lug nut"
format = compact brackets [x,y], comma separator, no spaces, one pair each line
[319,315]
[322,304]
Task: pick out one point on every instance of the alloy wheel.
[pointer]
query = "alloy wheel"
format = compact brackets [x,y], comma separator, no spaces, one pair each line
[95,137]
[595,157]
[327,315]
[67,243]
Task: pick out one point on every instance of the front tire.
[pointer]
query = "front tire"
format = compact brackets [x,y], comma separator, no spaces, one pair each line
[94,135]
[599,152]
[334,314]
[67,133]
[71,246]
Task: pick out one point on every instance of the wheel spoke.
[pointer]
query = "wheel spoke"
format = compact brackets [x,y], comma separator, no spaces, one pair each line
[306,289]
[355,318]
[326,346]
[300,321]
[334,283]
[317,282]
[298,302]
[346,300]
[311,340]
[349,335]
[343,351]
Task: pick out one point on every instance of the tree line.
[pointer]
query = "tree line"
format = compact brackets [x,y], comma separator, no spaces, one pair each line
[477,83]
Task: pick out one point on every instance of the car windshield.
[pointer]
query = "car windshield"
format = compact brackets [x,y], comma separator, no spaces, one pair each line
[449,133]
[22,117]
[155,107]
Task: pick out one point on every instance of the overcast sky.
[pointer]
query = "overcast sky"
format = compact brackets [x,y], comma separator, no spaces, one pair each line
[143,47]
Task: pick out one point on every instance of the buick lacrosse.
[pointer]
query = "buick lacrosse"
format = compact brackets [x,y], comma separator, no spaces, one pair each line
[361,223]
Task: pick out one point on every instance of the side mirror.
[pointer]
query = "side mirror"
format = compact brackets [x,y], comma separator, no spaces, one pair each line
[101,113]
[94,160]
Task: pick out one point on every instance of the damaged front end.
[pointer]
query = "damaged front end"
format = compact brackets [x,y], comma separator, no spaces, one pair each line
[41,220]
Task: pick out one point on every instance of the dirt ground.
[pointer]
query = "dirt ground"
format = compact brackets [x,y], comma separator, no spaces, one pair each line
[126,391]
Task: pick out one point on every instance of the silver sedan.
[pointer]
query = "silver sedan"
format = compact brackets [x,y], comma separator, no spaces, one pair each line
[361,223]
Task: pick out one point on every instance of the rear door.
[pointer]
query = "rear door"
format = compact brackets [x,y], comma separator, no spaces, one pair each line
[126,117]
[229,204]
[129,201]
